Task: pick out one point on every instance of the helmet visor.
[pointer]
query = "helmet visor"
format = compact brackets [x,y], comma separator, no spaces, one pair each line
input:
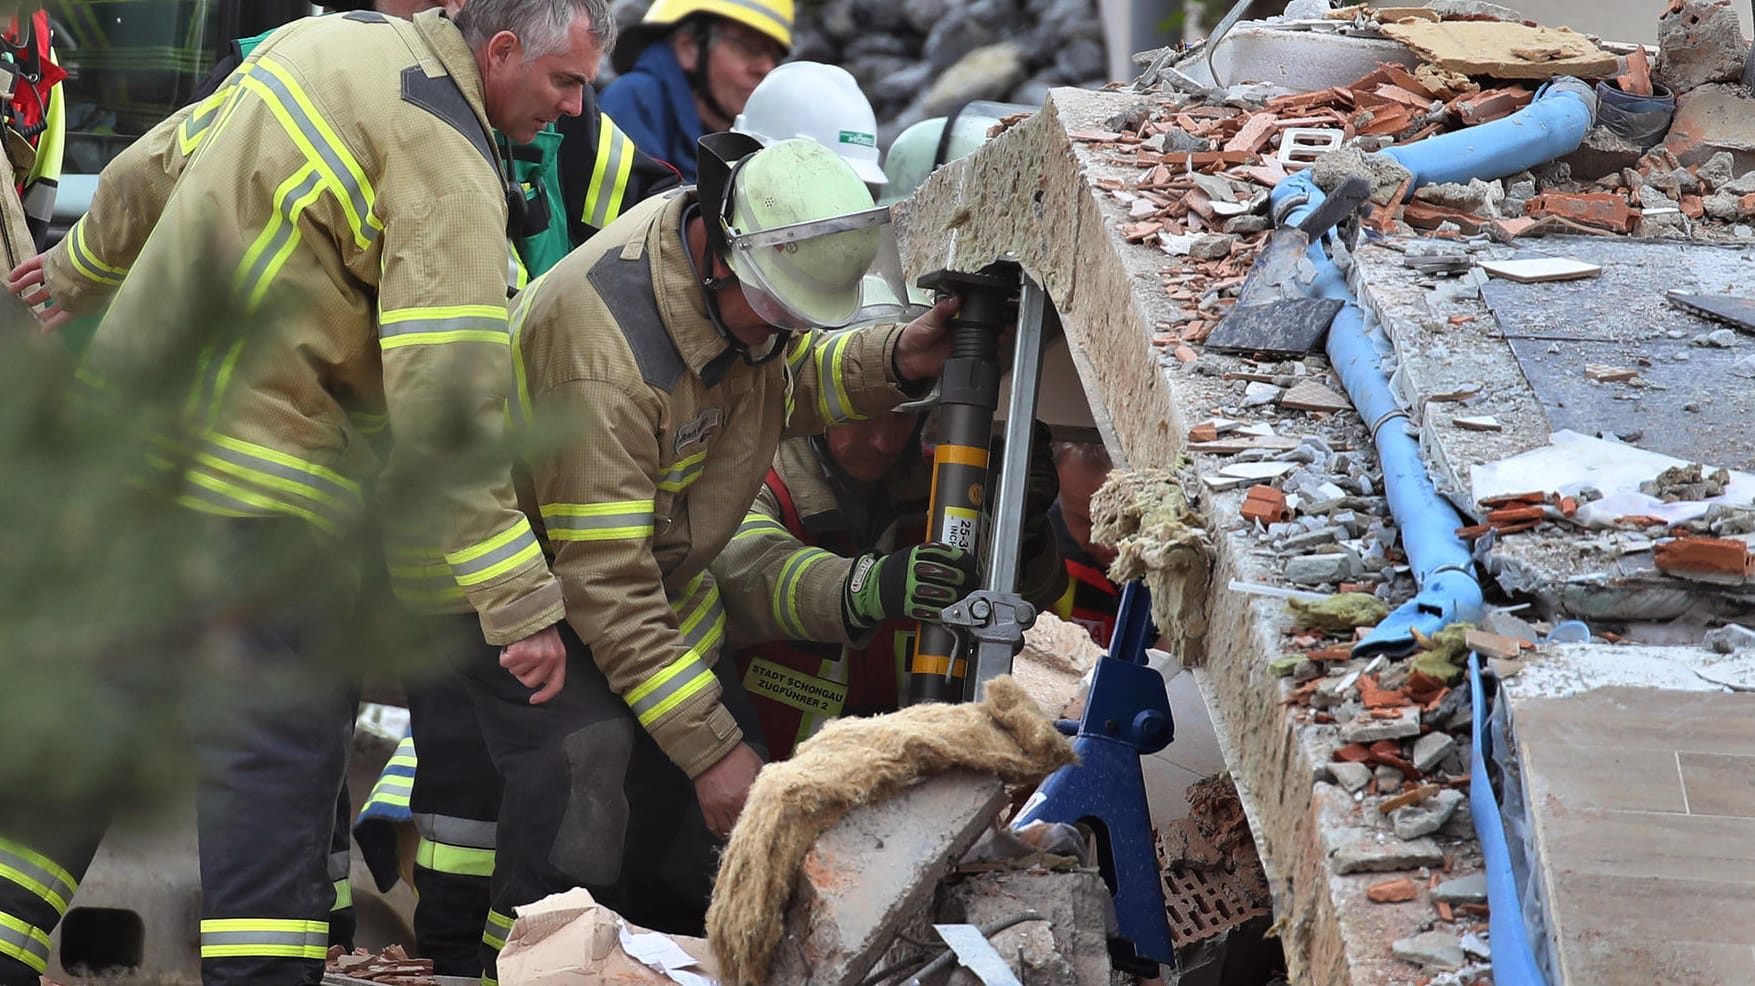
[785,292]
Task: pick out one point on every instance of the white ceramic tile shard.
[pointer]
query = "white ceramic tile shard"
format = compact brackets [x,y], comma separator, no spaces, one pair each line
[1537,269]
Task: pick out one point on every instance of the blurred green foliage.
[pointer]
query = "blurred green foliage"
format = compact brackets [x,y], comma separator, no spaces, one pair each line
[117,603]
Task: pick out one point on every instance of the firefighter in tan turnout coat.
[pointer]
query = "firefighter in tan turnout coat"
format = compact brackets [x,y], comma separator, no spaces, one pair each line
[660,365]
[343,190]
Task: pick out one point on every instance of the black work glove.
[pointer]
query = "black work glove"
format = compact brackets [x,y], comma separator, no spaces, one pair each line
[914,584]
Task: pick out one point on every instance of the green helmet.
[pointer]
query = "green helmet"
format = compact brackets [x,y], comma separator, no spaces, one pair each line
[809,274]
[919,150]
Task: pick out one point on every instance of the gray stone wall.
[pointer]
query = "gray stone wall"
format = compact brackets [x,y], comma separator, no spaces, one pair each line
[922,58]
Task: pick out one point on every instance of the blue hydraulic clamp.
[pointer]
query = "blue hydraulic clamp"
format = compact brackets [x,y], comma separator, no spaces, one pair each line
[1127,716]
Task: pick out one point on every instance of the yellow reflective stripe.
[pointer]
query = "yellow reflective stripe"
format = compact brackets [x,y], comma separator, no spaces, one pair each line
[37,873]
[683,473]
[498,926]
[520,403]
[459,860]
[799,348]
[343,895]
[211,494]
[264,938]
[324,150]
[277,240]
[832,401]
[704,622]
[279,470]
[613,521]
[758,525]
[438,326]
[609,175]
[786,590]
[25,942]
[702,629]
[504,552]
[199,122]
[87,263]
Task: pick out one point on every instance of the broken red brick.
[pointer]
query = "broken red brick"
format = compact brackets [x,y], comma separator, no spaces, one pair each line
[1393,891]
[1705,556]
[1507,516]
[1207,432]
[1603,210]
[1253,136]
[1352,753]
[1513,499]
[1493,104]
[1444,912]
[1375,696]
[1693,206]
[1637,81]
[1426,215]
[1412,796]
[1265,504]
[1423,687]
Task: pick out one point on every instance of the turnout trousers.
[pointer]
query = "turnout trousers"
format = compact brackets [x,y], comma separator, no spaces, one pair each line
[589,800]
[270,757]
[456,806]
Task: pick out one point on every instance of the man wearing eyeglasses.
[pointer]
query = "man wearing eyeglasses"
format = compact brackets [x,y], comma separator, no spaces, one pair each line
[689,67]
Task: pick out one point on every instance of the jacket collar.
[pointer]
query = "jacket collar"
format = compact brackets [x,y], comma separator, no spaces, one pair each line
[447,45]
[681,303]
[659,61]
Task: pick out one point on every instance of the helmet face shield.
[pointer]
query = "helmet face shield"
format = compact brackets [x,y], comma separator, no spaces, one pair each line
[810,274]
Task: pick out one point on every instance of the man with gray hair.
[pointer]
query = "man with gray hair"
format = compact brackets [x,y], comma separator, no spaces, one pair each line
[345,182]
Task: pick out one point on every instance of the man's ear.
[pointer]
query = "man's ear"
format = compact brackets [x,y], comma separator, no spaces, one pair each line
[504,48]
[686,48]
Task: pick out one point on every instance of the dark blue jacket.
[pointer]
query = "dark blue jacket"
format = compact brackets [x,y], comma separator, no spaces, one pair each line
[655,107]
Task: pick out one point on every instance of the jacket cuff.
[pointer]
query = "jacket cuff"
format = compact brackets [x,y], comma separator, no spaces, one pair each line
[698,734]
[69,291]
[521,613]
[820,602]
[878,386]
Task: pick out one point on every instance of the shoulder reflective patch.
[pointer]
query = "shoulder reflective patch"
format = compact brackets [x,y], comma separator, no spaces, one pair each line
[442,98]
[366,16]
[626,289]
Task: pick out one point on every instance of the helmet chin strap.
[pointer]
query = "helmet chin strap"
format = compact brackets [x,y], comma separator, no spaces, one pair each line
[710,287]
[703,31]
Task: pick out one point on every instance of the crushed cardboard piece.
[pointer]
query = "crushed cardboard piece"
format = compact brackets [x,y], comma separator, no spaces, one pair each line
[570,938]
[1504,50]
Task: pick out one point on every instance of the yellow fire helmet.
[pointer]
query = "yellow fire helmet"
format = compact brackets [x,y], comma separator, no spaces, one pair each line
[771,17]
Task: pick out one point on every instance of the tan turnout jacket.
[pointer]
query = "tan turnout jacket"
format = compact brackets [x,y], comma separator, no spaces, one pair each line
[342,189]
[655,466]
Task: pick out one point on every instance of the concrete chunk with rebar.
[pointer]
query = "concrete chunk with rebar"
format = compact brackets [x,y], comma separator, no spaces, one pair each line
[875,871]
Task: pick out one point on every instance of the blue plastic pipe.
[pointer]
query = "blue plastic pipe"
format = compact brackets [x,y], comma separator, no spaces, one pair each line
[1554,124]
[1514,960]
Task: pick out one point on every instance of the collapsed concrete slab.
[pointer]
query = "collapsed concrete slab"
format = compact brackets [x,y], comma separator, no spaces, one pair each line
[1031,195]
[876,870]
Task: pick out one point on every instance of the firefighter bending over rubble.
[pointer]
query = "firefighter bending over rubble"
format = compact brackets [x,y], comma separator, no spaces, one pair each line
[670,355]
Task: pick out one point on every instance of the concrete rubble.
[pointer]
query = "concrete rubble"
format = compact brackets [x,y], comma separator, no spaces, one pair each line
[1164,186]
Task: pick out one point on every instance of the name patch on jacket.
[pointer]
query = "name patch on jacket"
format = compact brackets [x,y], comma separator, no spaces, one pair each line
[804,692]
[695,429]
